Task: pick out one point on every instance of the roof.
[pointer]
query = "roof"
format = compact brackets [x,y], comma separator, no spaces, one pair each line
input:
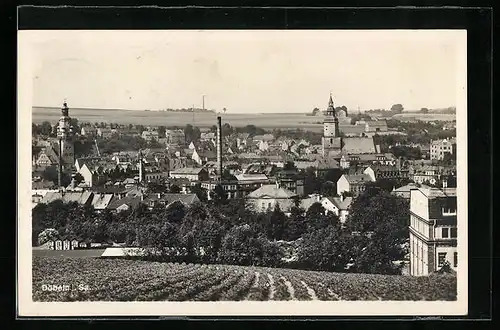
[383,168]
[265,137]
[360,145]
[432,192]
[410,186]
[80,197]
[209,135]
[339,203]
[131,201]
[42,184]
[357,178]
[109,189]
[376,123]
[272,191]
[327,163]
[187,170]
[207,154]
[101,201]
[251,177]
[352,129]
[170,198]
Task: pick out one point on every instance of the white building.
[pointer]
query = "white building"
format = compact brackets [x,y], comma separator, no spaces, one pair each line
[433,229]
[441,147]
[337,205]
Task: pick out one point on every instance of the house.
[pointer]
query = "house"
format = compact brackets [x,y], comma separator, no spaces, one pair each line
[376,126]
[175,137]
[267,196]
[439,148]
[348,160]
[122,204]
[264,137]
[263,145]
[250,182]
[201,157]
[190,173]
[155,176]
[48,156]
[426,174]
[155,200]
[349,130]
[117,191]
[353,183]
[150,135]
[208,137]
[231,188]
[242,140]
[433,229]
[337,205]
[291,180]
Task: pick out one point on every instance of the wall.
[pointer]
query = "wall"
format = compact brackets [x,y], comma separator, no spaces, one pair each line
[342,185]
[419,204]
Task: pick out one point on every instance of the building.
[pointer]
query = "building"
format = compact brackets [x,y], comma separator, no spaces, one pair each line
[89,131]
[106,132]
[337,205]
[80,197]
[439,148]
[388,172]
[150,135]
[375,126]
[331,140]
[353,183]
[190,173]
[433,229]
[291,180]
[266,197]
[175,137]
[65,136]
[123,204]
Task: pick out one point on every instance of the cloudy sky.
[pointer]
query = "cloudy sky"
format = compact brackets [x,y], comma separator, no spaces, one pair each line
[244,71]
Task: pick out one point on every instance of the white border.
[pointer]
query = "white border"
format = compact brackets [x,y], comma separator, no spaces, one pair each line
[26,307]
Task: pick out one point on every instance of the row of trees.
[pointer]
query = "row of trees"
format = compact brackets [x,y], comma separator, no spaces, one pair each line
[225,231]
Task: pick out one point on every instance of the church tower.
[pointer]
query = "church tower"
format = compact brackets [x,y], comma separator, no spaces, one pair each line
[331,141]
[65,135]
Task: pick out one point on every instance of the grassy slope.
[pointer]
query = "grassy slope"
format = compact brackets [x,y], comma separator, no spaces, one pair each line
[127,280]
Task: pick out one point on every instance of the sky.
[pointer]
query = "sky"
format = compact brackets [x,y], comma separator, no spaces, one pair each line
[243,71]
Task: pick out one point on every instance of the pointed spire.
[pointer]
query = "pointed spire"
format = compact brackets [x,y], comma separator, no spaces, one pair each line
[65,109]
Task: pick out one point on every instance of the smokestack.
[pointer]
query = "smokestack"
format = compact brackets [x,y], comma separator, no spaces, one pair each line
[59,172]
[219,148]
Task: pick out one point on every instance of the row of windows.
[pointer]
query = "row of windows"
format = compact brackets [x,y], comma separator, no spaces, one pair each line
[449,232]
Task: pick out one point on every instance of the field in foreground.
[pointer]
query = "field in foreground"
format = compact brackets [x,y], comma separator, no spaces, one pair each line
[93,279]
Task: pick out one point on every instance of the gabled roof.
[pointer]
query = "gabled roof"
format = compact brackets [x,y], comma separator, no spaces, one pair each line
[42,184]
[327,163]
[339,203]
[101,201]
[271,191]
[251,177]
[131,201]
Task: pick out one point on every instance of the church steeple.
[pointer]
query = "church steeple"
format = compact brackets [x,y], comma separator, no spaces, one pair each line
[330,111]
[65,109]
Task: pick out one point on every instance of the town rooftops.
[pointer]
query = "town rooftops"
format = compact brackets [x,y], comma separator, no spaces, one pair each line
[101,201]
[169,198]
[42,184]
[187,170]
[81,197]
[264,137]
[432,192]
[410,186]
[272,191]
[251,177]
[114,189]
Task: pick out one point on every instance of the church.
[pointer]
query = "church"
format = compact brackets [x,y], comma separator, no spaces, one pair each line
[334,144]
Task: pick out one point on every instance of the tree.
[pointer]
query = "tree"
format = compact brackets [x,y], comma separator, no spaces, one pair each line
[320,250]
[241,246]
[174,189]
[424,110]
[200,192]
[161,131]
[218,194]
[276,226]
[296,224]
[45,128]
[397,108]
[49,234]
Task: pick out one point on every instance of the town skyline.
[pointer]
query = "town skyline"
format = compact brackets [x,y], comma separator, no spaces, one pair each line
[174,69]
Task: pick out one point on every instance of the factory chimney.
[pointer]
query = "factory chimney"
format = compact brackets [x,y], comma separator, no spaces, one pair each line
[219,148]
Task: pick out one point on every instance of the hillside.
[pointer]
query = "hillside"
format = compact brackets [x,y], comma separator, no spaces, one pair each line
[94,279]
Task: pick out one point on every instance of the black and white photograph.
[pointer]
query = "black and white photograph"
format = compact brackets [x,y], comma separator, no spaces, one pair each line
[305,171]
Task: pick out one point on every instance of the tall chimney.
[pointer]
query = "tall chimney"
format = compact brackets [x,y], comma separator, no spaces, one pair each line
[60,167]
[219,148]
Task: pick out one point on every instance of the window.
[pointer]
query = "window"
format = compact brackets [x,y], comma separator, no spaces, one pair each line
[455,259]
[444,233]
[441,258]
[453,232]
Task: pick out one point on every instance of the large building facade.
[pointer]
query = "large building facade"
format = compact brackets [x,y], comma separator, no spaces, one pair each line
[65,135]
[433,229]
[439,148]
